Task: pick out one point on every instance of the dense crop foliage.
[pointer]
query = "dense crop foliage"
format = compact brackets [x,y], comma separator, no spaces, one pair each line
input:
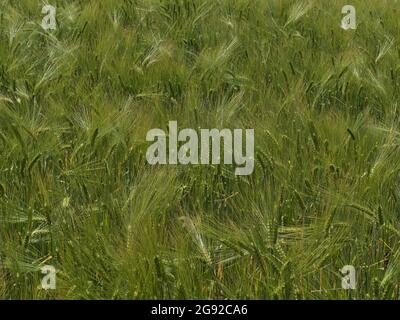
[76,191]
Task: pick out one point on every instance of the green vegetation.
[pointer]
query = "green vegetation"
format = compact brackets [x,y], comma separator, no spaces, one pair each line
[76,191]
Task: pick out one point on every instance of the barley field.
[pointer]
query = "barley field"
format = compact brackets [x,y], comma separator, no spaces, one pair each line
[77,193]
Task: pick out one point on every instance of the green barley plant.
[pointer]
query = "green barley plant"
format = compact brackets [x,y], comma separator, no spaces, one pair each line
[77,193]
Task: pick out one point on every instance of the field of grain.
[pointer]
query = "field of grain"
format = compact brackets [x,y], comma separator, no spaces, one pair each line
[77,193]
